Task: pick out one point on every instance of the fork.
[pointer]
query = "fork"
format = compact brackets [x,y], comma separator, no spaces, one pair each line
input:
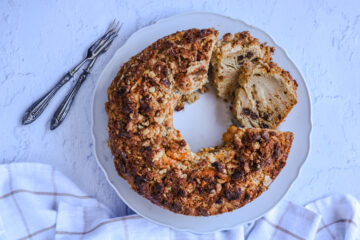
[65,105]
[37,108]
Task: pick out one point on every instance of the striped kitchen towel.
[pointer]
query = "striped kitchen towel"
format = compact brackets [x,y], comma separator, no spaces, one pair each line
[38,202]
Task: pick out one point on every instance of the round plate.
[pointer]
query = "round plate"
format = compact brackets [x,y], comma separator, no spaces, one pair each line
[202,124]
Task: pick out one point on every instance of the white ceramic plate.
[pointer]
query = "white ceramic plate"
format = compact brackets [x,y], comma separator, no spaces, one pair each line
[202,125]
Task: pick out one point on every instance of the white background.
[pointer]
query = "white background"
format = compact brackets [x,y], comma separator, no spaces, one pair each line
[41,40]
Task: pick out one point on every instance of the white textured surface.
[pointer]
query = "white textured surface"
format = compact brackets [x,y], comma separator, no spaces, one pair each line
[40,40]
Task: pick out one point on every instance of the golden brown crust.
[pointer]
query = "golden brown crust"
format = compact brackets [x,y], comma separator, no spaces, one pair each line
[151,154]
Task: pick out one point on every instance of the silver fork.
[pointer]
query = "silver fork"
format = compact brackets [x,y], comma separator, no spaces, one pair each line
[36,109]
[65,105]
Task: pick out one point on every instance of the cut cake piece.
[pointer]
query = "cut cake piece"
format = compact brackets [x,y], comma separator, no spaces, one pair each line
[265,95]
[228,57]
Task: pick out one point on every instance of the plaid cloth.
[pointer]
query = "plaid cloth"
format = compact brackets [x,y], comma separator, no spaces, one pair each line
[38,202]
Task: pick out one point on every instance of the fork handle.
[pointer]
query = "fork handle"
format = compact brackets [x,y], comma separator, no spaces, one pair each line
[35,110]
[65,105]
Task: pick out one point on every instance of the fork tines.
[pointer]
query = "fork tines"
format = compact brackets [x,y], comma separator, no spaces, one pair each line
[110,33]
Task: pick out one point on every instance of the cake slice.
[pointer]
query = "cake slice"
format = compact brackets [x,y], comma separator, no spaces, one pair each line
[228,57]
[265,95]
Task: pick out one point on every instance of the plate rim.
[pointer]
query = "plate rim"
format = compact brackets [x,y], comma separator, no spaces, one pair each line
[93,125]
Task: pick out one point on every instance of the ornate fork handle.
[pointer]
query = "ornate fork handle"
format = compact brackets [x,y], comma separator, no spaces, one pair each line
[65,105]
[35,110]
